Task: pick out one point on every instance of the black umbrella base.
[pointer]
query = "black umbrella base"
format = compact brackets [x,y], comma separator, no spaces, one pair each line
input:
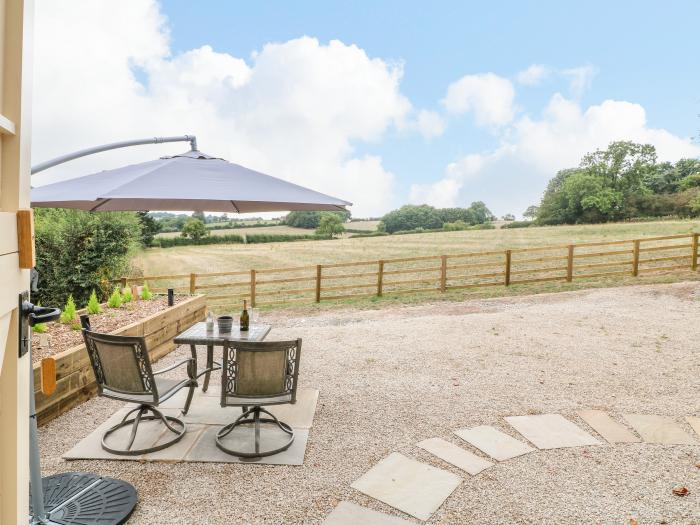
[74,498]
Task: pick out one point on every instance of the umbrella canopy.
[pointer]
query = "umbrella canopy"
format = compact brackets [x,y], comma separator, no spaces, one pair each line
[190,181]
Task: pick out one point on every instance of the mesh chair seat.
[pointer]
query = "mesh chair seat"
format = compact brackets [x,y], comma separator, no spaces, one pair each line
[123,371]
[252,401]
[256,374]
[164,387]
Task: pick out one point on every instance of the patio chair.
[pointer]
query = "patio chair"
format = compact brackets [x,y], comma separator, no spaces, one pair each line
[123,371]
[255,375]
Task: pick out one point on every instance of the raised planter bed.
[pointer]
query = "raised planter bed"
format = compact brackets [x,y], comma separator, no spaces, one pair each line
[75,382]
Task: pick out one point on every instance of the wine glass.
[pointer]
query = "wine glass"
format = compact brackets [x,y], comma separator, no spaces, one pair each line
[254,316]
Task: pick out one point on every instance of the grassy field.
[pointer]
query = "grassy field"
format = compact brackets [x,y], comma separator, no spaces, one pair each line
[232,257]
[238,257]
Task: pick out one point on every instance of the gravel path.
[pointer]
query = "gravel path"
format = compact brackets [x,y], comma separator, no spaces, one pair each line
[391,378]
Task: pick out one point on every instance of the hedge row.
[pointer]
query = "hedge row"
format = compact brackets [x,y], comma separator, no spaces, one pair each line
[518,224]
[168,242]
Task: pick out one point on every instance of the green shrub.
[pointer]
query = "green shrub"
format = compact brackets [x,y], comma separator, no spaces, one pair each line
[455,226]
[263,238]
[368,234]
[146,294]
[68,313]
[94,307]
[330,225]
[39,328]
[518,224]
[127,296]
[80,251]
[194,229]
[485,226]
[115,300]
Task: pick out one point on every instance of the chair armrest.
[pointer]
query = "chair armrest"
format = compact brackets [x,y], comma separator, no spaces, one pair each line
[172,367]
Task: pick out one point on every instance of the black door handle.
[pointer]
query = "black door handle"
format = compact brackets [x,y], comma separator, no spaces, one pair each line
[40,314]
[43,314]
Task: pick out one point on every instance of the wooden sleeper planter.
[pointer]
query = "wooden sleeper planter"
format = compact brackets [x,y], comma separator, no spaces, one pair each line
[75,382]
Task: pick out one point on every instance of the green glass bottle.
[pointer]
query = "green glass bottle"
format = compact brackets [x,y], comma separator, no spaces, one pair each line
[245,320]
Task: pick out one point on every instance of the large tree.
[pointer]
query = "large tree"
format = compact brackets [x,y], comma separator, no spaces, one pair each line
[621,182]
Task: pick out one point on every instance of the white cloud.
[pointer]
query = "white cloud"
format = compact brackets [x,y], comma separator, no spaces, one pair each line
[489,96]
[430,124]
[104,71]
[533,75]
[580,79]
[513,176]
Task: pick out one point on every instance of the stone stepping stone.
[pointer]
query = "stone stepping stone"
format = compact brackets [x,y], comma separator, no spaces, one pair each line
[659,429]
[694,422]
[408,485]
[493,442]
[455,455]
[548,431]
[612,431]
[347,513]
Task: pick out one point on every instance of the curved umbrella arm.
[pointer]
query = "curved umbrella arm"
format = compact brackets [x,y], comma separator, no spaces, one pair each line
[114,145]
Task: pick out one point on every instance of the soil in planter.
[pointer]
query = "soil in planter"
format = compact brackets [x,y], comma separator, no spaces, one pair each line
[59,337]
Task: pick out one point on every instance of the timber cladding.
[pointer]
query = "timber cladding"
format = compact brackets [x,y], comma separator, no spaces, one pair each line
[75,382]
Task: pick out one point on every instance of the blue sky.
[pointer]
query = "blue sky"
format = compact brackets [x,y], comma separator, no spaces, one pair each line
[641,57]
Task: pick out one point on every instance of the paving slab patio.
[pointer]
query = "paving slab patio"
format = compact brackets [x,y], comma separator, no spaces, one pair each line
[206,409]
[90,447]
[408,485]
[347,513]
[612,431]
[455,455]
[493,442]
[659,429]
[548,431]
[206,451]
[204,419]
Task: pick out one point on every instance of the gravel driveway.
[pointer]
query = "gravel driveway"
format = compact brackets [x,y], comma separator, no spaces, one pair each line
[393,377]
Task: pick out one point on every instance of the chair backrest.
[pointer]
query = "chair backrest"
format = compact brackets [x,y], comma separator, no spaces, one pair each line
[120,363]
[260,372]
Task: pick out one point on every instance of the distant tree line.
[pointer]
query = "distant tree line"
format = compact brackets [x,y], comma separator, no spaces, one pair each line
[167,222]
[624,181]
[311,220]
[424,217]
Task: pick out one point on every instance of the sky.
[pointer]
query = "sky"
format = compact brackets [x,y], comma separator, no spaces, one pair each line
[379,103]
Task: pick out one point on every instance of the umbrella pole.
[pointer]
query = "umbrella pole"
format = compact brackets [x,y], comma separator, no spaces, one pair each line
[38,510]
[114,145]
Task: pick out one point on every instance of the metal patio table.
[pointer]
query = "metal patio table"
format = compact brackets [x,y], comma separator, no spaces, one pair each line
[197,334]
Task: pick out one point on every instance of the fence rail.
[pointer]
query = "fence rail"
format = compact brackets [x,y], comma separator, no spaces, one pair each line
[436,273]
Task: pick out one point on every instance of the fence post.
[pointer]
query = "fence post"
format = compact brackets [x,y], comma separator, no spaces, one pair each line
[380,278]
[193,283]
[507,278]
[318,283]
[443,273]
[570,264]
[694,258]
[252,288]
[123,283]
[635,259]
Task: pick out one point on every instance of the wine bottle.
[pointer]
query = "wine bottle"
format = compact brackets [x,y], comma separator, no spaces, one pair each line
[245,320]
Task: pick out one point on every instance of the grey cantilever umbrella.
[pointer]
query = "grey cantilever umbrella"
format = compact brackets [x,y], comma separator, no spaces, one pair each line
[190,181]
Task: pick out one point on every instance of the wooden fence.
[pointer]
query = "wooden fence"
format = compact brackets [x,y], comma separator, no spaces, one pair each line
[436,273]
